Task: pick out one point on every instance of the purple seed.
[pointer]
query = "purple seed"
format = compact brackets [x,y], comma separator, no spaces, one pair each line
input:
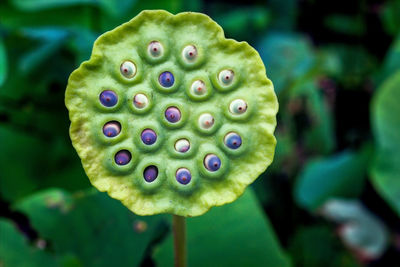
[123,157]
[183,176]
[149,137]
[166,79]
[212,162]
[111,129]
[173,114]
[108,98]
[233,140]
[150,173]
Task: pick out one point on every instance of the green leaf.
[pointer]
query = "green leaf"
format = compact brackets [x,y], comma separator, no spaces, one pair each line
[354,63]
[243,23]
[12,18]
[82,43]
[237,234]
[108,21]
[390,17]
[36,5]
[51,40]
[386,124]
[46,162]
[319,246]
[18,149]
[284,14]
[112,7]
[287,58]
[391,63]
[116,7]
[3,62]
[98,230]
[16,251]
[350,25]
[341,175]
[319,136]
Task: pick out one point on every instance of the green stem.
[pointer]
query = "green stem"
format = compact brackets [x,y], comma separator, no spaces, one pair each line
[179,230]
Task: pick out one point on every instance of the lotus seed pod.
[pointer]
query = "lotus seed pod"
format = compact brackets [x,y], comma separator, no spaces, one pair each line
[169,116]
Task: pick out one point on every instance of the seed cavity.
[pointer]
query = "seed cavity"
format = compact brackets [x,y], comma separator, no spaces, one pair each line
[182,145]
[148,136]
[128,69]
[183,176]
[108,98]
[150,173]
[189,53]
[123,157]
[112,129]
[173,114]
[155,49]
[198,88]
[166,79]
[212,162]
[206,121]
[226,77]
[238,106]
[140,101]
[233,140]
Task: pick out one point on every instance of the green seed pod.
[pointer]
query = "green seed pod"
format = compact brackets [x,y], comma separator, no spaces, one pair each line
[169,116]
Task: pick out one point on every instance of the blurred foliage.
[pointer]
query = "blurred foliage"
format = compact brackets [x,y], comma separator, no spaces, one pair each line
[327,60]
[341,175]
[386,122]
[318,246]
[95,228]
[258,245]
[15,249]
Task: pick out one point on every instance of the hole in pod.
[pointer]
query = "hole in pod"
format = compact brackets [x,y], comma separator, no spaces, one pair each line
[189,53]
[150,173]
[206,121]
[182,145]
[140,101]
[166,79]
[212,162]
[232,140]
[123,157]
[112,129]
[183,176]
[128,69]
[155,49]
[149,136]
[172,114]
[108,98]
[226,77]
[198,88]
[238,106]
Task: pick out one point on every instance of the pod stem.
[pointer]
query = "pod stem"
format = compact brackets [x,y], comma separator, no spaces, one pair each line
[179,230]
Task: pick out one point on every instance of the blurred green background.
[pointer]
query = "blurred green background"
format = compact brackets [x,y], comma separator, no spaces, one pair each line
[336,70]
